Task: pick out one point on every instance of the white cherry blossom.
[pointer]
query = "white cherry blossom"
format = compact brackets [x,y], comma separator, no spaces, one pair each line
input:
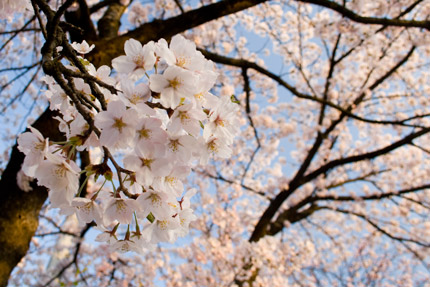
[138,59]
[83,48]
[186,55]
[150,135]
[87,210]
[188,118]
[147,164]
[175,84]
[161,205]
[162,230]
[61,176]
[8,8]
[119,209]
[117,125]
[33,145]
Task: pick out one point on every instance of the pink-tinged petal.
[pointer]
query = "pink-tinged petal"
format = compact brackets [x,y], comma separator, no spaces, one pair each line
[121,210]
[132,47]
[161,167]
[168,98]
[158,83]
[163,51]
[123,64]
[148,54]
[116,108]
[103,71]
[109,138]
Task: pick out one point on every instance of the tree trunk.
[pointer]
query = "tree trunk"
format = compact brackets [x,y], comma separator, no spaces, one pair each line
[19,210]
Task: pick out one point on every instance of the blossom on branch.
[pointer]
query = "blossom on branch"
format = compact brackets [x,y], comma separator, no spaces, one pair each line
[154,125]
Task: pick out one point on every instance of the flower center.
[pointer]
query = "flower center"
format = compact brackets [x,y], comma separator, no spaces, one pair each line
[174,145]
[144,133]
[175,83]
[181,62]
[212,146]
[146,162]
[119,124]
[219,121]
[139,61]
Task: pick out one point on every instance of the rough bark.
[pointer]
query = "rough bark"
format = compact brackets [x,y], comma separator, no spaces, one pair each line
[19,210]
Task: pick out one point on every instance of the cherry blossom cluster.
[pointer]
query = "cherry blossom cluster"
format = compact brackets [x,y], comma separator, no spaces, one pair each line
[8,8]
[162,121]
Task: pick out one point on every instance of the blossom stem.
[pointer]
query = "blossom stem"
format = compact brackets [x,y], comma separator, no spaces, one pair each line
[127,234]
[71,152]
[137,224]
[82,187]
[59,143]
[115,191]
[98,191]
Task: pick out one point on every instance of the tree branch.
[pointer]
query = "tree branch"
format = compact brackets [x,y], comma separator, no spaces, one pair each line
[111,48]
[368,20]
[245,64]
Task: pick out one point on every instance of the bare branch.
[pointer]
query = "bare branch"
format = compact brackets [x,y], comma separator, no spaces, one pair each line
[368,20]
[377,227]
[247,90]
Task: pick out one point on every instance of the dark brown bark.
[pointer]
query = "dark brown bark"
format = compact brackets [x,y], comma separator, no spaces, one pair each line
[19,210]
[113,47]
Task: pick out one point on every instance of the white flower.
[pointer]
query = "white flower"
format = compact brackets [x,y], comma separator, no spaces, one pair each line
[82,87]
[162,230]
[172,183]
[61,176]
[117,125]
[147,164]
[124,246]
[23,181]
[162,50]
[102,74]
[186,200]
[149,134]
[186,216]
[87,210]
[58,99]
[180,147]
[138,59]
[223,122]
[186,55]
[188,118]
[119,209]
[142,241]
[135,95]
[173,85]
[83,48]
[108,236]
[63,126]
[33,145]
[161,205]
[215,146]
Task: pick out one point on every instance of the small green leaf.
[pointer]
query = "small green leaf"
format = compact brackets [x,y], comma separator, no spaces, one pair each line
[108,175]
[151,217]
[84,62]
[234,99]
